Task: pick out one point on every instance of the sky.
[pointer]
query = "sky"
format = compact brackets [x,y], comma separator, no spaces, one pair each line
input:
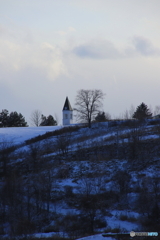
[50,49]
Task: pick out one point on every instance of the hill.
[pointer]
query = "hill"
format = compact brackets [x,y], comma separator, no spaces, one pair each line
[74,181]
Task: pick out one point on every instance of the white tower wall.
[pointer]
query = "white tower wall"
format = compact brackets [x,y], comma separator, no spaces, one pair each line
[67,117]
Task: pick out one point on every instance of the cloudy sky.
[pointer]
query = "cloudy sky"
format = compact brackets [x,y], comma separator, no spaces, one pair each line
[49,49]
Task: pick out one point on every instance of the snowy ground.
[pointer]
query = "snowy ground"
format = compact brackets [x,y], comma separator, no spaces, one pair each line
[96,237]
[99,132]
[20,134]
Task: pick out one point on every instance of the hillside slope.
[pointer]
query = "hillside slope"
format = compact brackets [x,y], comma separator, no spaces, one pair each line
[74,181]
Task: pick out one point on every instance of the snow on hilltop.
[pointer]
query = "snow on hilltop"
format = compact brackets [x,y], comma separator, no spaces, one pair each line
[20,134]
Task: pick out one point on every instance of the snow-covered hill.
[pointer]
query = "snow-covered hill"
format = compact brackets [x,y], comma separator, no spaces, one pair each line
[20,134]
[103,179]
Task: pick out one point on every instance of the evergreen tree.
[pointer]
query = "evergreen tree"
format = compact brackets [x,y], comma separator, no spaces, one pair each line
[22,122]
[101,117]
[48,121]
[43,120]
[16,120]
[51,121]
[4,115]
[142,112]
[12,120]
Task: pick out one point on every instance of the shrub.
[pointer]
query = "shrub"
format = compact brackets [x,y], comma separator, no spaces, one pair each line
[116,230]
[68,191]
[123,217]
[112,230]
[154,122]
[112,123]
[132,219]
[100,223]
[63,172]
[50,228]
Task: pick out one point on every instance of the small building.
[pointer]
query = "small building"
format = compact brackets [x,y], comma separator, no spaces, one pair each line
[67,113]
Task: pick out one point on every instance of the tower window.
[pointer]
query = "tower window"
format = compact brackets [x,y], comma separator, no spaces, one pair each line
[71,116]
[66,116]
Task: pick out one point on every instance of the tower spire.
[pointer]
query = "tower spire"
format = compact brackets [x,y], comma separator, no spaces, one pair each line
[67,105]
[67,113]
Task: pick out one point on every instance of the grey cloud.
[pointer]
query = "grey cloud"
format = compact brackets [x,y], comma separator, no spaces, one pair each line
[144,46]
[103,49]
[98,49]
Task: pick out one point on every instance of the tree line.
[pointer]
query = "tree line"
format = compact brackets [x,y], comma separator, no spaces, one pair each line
[14,119]
[88,105]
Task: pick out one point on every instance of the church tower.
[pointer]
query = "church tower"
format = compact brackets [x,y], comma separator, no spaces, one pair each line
[67,113]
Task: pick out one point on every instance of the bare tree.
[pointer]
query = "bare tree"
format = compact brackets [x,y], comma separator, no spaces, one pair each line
[157,110]
[126,115]
[131,111]
[35,118]
[56,118]
[63,142]
[88,104]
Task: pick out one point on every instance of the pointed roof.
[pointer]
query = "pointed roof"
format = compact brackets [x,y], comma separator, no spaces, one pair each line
[67,105]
